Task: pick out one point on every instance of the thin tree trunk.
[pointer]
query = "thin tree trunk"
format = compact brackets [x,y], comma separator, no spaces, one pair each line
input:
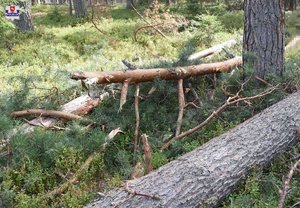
[205,176]
[70,8]
[24,24]
[264,36]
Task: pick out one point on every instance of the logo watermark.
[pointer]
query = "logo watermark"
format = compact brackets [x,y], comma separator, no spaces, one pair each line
[12,12]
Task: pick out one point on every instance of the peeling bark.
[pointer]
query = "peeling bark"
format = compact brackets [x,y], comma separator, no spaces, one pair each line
[205,176]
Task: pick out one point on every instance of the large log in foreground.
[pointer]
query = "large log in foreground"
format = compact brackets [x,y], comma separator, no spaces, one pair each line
[203,177]
[145,75]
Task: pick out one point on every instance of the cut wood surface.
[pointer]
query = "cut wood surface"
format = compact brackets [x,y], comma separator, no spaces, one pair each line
[205,176]
[145,75]
[210,51]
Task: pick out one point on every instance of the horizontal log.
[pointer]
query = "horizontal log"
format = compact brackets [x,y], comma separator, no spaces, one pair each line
[210,51]
[145,75]
[205,176]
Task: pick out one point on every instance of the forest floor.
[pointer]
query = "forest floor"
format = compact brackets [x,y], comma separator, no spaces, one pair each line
[34,73]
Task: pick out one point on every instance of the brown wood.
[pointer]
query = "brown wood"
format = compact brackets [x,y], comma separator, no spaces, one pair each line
[45,113]
[145,75]
[205,176]
[147,153]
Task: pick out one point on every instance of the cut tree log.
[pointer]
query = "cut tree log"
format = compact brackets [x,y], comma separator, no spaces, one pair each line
[210,51]
[145,75]
[205,176]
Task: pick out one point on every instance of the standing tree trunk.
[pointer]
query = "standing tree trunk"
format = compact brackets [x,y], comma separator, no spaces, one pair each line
[70,8]
[24,24]
[205,176]
[264,36]
[80,8]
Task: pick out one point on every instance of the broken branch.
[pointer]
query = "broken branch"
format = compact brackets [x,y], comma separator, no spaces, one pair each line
[228,102]
[147,152]
[137,116]
[145,75]
[46,113]
[181,103]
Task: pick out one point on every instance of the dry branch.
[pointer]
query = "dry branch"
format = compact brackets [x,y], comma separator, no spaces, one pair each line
[141,16]
[124,92]
[76,177]
[286,186]
[147,153]
[137,117]
[181,105]
[228,102]
[46,113]
[293,42]
[145,75]
[210,51]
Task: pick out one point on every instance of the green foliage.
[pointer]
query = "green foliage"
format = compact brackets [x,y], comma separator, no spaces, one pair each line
[232,21]
[206,26]
[158,159]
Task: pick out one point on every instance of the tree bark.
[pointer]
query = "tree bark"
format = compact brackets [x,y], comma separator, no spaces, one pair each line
[24,24]
[145,75]
[205,176]
[70,8]
[264,36]
[79,8]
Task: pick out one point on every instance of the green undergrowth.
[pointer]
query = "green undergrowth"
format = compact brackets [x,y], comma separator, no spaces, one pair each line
[34,73]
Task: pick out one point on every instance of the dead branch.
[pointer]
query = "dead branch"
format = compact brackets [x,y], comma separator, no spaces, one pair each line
[141,16]
[147,153]
[46,113]
[94,23]
[135,193]
[141,28]
[286,185]
[181,103]
[61,189]
[76,177]
[230,101]
[210,51]
[145,75]
[137,117]
[124,92]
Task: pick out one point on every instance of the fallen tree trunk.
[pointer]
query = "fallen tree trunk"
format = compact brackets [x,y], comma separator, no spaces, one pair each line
[205,176]
[293,42]
[145,75]
[210,51]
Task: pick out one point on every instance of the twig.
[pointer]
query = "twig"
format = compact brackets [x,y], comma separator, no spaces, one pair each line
[47,113]
[137,116]
[229,101]
[135,193]
[286,186]
[93,22]
[147,152]
[62,188]
[141,16]
[141,28]
[181,103]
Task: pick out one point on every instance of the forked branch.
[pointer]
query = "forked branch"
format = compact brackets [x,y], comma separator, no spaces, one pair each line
[230,101]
